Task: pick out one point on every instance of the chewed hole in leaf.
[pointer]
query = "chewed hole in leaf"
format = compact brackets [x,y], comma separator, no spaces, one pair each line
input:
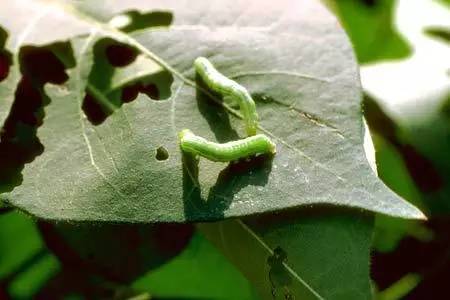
[162,153]
[111,85]
[129,93]
[120,55]
[94,111]
[152,91]
[19,143]
[5,56]
[42,65]
[135,20]
[4,66]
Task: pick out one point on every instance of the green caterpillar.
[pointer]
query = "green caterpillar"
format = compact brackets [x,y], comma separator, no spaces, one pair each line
[229,88]
[231,151]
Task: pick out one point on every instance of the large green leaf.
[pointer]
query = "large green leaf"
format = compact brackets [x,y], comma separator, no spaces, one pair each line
[293,58]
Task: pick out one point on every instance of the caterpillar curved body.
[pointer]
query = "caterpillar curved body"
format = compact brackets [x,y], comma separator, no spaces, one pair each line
[229,88]
[253,145]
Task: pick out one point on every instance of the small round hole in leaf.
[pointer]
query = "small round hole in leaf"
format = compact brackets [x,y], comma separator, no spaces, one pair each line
[162,153]
[120,55]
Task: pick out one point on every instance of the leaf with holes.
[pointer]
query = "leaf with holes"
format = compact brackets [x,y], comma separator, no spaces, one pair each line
[28,24]
[126,166]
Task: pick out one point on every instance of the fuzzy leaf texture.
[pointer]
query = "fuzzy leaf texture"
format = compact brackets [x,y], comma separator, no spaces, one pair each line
[126,166]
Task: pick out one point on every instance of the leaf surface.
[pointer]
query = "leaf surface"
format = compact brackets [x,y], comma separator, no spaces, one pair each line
[304,254]
[295,61]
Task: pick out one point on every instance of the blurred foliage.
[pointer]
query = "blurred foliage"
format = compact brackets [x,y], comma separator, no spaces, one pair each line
[28,269]
[411,259]
[25,264]
[369,24]
[406,111]
[200,272]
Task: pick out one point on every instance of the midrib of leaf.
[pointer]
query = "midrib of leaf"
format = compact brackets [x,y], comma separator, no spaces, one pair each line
[288,268]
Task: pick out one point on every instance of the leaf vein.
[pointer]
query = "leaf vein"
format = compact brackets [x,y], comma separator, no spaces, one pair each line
[81,116]
[288,268]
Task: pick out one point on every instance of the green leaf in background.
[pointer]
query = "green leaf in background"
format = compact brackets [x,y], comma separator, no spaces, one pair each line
[414,93]
[116,252]
[29,282]
[14,250]
[391,168]
[370,26]
[302,74]
[25,265]
[199,272]
[410,127]
[304,254]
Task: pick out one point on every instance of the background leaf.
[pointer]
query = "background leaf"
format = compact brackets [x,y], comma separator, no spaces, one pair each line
[200,271]
[306,254]
[370,26]
[25,265]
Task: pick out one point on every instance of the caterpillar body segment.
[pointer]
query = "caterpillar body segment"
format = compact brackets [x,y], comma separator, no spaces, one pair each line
[230,151]
[231,89]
